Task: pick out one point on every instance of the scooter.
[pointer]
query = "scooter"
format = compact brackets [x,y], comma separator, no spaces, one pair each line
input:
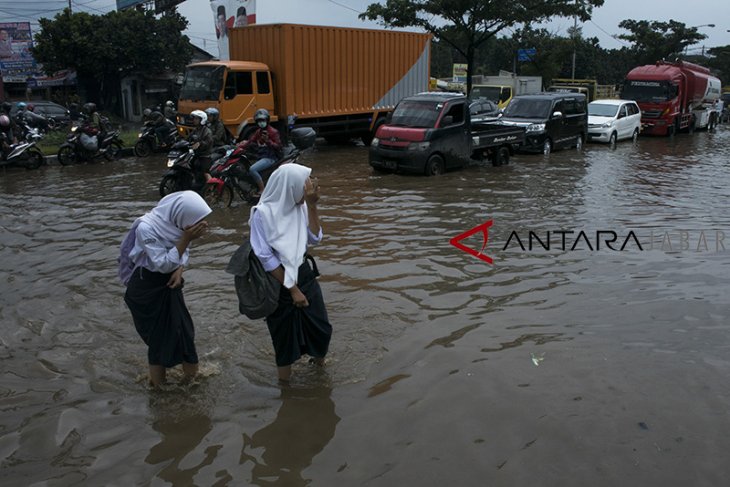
[79,143]
[230,173]
[148,142]
[181,173]
[24,154]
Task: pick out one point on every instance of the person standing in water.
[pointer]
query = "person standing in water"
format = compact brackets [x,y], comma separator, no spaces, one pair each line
[282,224]
[152,258]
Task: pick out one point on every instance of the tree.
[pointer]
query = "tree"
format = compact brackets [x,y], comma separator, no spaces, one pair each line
[103,49]
[467,24]
[654,41]
[720,62]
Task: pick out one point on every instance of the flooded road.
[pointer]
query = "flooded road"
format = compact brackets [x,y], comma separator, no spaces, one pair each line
[559,366]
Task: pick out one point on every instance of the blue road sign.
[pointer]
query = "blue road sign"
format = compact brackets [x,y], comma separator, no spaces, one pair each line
[526,54]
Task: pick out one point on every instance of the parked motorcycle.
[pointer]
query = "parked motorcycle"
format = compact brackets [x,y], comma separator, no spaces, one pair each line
[148,142]
[81,146]
[230,173]
[23,154]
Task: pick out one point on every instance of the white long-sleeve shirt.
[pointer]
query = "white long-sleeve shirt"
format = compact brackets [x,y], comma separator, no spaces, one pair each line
[157,255]
[268,256]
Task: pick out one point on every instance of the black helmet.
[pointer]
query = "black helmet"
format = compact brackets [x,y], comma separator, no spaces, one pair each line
[89,107]
[262,114]
[156,115]
[6,107]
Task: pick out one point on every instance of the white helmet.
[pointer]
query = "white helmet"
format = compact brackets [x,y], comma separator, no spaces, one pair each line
[201,115]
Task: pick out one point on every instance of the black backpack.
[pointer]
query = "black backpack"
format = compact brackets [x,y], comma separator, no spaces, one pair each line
[257,290]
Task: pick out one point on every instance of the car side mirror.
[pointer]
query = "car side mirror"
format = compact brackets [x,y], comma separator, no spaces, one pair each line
[448,120]
[621,115]
[389,117]
[557,114]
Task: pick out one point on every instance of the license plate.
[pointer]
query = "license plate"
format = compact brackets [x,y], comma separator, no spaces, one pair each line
[170,162]
[390,164]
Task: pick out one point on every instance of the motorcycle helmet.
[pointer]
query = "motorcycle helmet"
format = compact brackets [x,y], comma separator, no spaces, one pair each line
[212,113]
[31,107]
[6,107]
[169,103]
[21,105]
[89,107]
[262,114]
[146,113]
[156,116]
[201,115]
[4,121]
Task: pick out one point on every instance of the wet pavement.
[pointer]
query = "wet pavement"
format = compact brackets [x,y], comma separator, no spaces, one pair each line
[566,366]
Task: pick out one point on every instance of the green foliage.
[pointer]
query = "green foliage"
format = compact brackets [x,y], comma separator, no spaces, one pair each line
[653,41]
[720,62]
[466,25]
[105,48]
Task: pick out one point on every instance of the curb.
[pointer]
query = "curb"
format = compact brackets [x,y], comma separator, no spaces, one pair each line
[125,152]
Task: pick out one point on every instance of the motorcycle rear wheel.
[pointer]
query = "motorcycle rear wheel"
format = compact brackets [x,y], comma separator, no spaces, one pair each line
[215,199]
[66,155]
[35,159]
[114,151]
[142,148]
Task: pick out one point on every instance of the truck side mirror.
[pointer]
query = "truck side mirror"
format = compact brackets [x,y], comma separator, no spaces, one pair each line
[557,114]
[447,120]
[229,92]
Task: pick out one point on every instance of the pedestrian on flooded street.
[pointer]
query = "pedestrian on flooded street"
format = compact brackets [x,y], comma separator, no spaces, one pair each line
[153,255]
[282,224]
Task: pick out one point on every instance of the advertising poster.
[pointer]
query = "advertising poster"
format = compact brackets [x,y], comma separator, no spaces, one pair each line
[16,61]
[229,14]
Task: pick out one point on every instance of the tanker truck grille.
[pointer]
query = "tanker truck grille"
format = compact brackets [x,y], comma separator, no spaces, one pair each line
[651,113]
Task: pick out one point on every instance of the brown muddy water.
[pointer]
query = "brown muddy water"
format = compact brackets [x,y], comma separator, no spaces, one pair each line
[560,367]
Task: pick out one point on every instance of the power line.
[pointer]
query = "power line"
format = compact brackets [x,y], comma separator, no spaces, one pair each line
[612,36]
[344,6]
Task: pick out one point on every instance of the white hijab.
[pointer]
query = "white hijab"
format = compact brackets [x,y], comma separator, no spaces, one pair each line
[172,214]
[285,221]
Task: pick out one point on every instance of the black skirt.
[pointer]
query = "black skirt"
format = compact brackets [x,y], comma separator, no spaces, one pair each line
[161,318]
[298,331]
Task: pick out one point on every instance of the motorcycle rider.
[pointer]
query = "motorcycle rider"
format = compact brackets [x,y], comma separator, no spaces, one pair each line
[94,122]
[7,138]
[73,112]
[170,112]
[201,139]
[220,134]
[162,126]
[265,144]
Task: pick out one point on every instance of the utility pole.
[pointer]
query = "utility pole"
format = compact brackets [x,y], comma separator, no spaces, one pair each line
[575,32]
[69,7]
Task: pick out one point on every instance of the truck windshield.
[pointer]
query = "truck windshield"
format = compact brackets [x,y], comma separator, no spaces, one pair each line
[528,108]
[648,91]
[602,110]
[202,83]
[489,92]
[416,113]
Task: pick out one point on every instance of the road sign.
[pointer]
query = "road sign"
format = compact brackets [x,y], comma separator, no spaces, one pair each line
[524,55]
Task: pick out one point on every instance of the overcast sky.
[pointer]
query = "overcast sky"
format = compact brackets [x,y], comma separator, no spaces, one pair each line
[603,25]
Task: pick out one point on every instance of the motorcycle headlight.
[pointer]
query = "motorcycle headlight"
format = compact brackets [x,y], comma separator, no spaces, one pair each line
[170,162]
[535,128]
[375,142]
[419,146]
[139,136]
[74,129]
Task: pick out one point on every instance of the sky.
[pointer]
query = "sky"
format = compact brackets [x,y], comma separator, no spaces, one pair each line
[344,13]
[604,24]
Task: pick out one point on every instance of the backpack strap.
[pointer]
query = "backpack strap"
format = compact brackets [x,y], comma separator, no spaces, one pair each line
[310,258]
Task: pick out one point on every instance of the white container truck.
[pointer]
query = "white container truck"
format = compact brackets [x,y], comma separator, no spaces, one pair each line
[501,88]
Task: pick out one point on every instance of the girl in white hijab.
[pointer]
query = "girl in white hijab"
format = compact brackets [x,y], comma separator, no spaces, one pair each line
[282,224]
[153,255]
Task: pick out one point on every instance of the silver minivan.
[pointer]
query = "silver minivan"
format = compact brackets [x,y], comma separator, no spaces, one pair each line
[612,120]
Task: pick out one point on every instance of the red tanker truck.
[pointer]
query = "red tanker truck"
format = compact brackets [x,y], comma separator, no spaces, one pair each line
[673,96]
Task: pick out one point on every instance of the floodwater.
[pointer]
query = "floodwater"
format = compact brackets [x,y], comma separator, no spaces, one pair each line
[566,366]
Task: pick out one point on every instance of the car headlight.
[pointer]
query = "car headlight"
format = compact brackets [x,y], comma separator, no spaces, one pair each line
[375,142]
[419,146]
[535,128]
[607,125]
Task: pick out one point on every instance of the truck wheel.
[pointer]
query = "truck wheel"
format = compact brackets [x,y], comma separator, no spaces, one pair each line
[691,128]
[547,147]
[612,140]
[579,143]
[501,157]
[434,165]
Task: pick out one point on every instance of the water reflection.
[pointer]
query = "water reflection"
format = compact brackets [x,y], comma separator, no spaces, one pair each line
[304,425]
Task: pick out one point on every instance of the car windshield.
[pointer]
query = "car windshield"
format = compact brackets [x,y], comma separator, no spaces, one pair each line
[202,83]
[647,91]
[489,92]
[416,113]
[528,108]
[602,110]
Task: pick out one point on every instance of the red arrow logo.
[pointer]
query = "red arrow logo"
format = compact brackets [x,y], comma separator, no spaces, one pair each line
[484,228]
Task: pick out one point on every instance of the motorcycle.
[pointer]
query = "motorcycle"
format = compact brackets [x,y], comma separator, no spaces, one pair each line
[148,142]
[81,145]
[24,154]
[181,174]
[230,173]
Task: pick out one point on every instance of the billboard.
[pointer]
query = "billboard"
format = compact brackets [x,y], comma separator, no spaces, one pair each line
[16,62]
[122,4]
[229,14]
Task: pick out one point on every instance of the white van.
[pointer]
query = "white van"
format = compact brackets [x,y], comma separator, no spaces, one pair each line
[612,120]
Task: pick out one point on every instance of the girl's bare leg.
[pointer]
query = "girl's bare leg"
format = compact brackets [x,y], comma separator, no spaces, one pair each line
[284,373]
[157,375]
[190,370]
